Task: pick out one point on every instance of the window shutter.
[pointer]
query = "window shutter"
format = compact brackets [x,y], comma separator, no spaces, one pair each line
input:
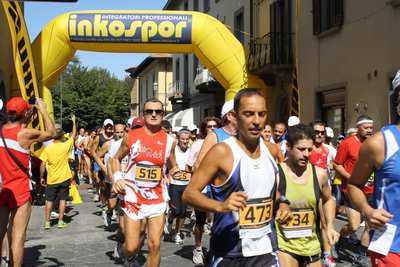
[316,17]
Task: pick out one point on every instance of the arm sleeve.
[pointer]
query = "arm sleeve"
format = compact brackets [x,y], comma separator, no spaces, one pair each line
[43,155]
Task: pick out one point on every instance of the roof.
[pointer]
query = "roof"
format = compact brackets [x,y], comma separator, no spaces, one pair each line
[169,5]
[134,72]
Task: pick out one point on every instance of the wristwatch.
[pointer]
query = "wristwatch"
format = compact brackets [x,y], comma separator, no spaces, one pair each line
[283,199]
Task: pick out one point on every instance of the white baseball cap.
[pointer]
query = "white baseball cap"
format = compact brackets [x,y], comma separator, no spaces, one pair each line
[107,122]
[192,127]
[130,120]
[227,107]
[293,120]
[329,132]
[396,80]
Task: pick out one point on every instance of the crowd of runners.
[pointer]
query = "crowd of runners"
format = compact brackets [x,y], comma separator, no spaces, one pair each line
[268,195]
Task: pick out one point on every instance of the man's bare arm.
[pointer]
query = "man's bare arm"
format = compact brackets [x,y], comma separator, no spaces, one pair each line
[209,142]
[329,204]
[211,165]
[93,150]
[42,171]
[115,162]
[100,155]
[29,136]
[363,169]
[173,166]
[73,119]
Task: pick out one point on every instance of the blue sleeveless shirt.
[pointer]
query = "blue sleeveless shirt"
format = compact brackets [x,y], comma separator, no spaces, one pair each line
[221,134]
[387,181]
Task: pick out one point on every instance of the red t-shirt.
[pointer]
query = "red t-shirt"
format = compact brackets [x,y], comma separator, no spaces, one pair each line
[347,155]
[320,158]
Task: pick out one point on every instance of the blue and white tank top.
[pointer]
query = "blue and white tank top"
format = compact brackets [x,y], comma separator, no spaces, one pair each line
[256,177]
[387,181]
[221,134]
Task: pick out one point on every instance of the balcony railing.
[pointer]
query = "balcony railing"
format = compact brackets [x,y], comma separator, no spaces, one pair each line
[176,92]
[203,76]
[270,52]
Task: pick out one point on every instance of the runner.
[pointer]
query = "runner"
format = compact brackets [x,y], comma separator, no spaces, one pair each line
[242,173]
[346,157]
[108,150]
[380,153]
[303,185]
[79,151]
[178,183]
[99,141]
[279,136]
[322,157]
[55,159]
[15,196]
[144,185]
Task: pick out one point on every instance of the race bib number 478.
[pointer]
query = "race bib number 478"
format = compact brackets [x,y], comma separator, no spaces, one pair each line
[256,214]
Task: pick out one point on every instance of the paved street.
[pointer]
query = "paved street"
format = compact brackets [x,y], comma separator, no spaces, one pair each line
[85,242]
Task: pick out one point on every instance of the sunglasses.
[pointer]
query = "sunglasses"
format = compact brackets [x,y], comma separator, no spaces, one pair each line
[209,126]
[151,111]
[319,132]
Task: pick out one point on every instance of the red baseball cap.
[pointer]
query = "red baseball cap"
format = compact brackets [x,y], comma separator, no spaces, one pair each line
[137,122]
[18,105]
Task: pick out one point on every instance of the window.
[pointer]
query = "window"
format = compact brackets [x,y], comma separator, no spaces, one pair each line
[196,5]
[327,14]
[239,24]
[332,107]
[186,6]
[206,5]
[195,66]
[177,70]
[186,74]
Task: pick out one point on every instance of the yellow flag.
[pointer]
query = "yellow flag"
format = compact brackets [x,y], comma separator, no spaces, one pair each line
[24,66]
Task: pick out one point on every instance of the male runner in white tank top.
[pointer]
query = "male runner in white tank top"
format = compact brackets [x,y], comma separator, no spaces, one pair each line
[242,173]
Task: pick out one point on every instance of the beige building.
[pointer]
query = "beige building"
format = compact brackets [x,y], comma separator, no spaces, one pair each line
[348,55]
[151,78]
[271,52]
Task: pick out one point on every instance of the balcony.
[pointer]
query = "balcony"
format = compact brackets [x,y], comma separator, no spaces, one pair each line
[204,81]
[176,93]
[270,54]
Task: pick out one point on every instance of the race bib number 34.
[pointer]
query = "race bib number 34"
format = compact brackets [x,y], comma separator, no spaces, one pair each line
[300,225]
[256,214]
[148,173]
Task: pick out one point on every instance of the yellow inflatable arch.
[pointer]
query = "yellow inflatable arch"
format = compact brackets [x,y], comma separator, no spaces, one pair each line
[142,32]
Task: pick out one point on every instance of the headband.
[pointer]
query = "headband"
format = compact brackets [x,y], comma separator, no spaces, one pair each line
[364,121]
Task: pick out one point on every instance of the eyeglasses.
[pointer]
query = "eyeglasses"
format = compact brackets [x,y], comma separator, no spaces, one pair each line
[151,111]
[210,126]
[319,132]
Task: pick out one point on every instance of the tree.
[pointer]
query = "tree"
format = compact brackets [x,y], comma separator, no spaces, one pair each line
[92,94]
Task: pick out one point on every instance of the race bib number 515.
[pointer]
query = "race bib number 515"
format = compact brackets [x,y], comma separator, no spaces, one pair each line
[148,173]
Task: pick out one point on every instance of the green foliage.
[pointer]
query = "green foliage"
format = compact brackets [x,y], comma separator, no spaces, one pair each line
[92,94]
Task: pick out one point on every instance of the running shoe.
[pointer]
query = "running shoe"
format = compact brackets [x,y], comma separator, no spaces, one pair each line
[96,198]
[167,228]
[114,215]
[178,239]
[47,225]
[198,257]
[131,262]
[328,261]
[105,218]
[5,262]
[207,228]
[54,215]
[61,224]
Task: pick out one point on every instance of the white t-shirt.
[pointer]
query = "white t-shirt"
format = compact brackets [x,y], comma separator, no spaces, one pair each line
[181,160]
[194,152]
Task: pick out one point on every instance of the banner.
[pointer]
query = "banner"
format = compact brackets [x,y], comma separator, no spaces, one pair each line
[24,67]
[130,28]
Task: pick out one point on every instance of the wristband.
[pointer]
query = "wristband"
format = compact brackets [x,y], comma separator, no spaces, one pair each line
[117,176]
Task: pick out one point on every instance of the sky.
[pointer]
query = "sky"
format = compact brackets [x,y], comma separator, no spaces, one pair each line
[38,14]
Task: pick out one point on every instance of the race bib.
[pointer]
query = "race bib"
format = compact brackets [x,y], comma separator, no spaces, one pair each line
[300,225]
[183,176]
[256,214]
[148,173]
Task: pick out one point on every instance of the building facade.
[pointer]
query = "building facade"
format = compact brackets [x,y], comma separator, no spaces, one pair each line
[348,56]
[151,78]
[271,52]
[193,86]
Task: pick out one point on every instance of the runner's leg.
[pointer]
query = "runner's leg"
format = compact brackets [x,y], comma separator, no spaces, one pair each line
[132,235]
[19,219]
[155,230]
[287,260]
[4,218]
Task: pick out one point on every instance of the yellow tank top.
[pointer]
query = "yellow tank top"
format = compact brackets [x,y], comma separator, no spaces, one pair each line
[299,236]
